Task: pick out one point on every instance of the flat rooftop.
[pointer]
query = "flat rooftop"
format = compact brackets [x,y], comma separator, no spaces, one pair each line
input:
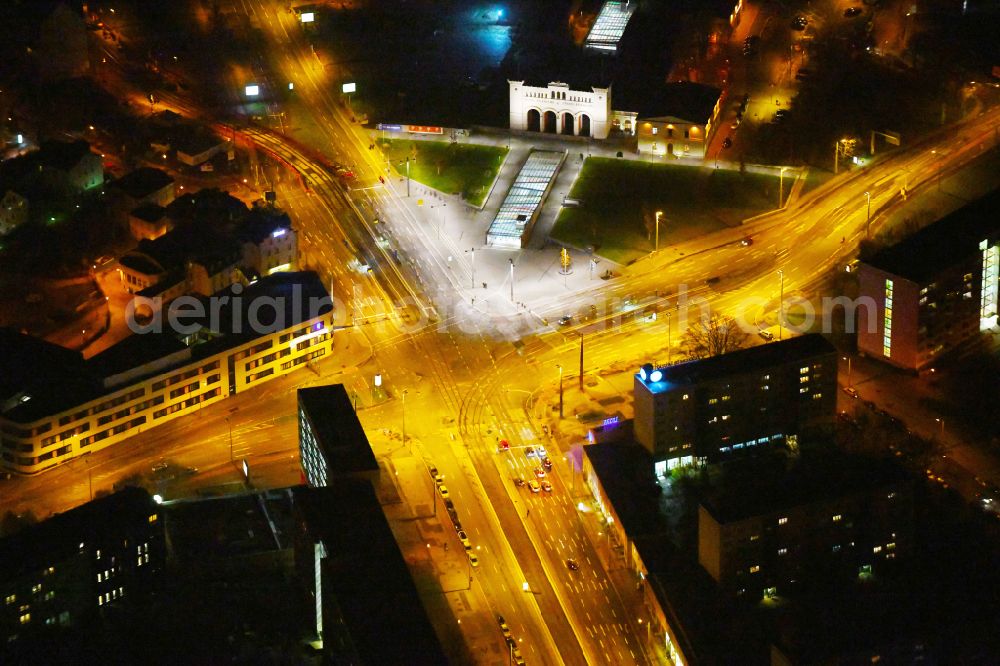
[292,298]
[337,430]
[740,362]
[366,573]
[523,198]
[763,487]
[950,240]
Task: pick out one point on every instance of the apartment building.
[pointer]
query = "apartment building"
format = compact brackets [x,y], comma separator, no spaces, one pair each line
[732,404]
[760,535]
[54,406]
[935,291]
[76,565]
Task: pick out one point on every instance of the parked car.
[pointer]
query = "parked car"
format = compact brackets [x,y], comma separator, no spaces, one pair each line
[851,391]
[473,560]
[464,538]
[443,489]
[767,335]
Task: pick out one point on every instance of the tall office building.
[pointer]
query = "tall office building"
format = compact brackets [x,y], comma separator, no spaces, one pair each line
[730,404]
[332,442]
[934,291]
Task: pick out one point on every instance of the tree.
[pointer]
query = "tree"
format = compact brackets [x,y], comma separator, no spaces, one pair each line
[713,335]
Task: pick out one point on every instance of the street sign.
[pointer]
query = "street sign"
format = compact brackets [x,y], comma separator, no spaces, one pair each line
[252,90]
[246,469]
[349,88]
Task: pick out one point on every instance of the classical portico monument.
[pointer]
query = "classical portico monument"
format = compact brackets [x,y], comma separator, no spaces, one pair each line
[555,109]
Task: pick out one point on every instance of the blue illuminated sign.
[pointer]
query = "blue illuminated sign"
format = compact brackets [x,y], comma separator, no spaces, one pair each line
[391,128]
[655,376]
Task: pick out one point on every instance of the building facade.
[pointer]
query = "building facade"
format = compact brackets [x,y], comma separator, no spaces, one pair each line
[935,291]
[46,425]
[685,119]
[753,547]
[728,405]
[332,442]
[78,564]
[556,109]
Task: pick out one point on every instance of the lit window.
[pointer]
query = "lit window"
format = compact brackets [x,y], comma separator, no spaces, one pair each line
[782,520]
[804,389]
[100,576]
[817,396]
[50,595]
[765,387]
[782,551]
[712,401]
[804,379]
[724,398]
[754,569]
[837,518]
[890,545]
[890,495]
[11,598]
[685,397]
[877,549]
[146,557]
[36,588]
[766,377]
[804,370]
[754,537]
[656,130]
[725,417]
[26,618]
[836,548]
[152,519]
[50,570]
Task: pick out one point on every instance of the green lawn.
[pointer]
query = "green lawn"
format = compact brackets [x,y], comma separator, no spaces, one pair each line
[620,199]
[453,168]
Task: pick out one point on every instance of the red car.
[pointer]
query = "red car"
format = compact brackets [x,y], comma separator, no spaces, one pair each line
[539,472]
[504,445]
[547,464]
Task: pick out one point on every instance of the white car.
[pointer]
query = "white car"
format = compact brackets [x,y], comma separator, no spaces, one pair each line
[443,489]
[464,538]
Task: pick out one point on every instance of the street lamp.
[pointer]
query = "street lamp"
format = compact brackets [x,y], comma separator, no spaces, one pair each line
[781,184]
[560,390]
[941,421]
[781,302]
[473,268]
[668,336]
[848,359]
[836,154]
[230,424]
[659,214]
[403,419]
[511,280]
[868,217]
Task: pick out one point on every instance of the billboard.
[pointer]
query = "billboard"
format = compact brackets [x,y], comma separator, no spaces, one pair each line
[348,88]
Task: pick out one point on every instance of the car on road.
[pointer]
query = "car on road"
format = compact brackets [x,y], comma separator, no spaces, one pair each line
[535,487]
[464,538]
[540,451]
[504,629]
[746,242]
[443,489]
[519,482]
[546,486]
[504,445]
[572,565]
[565,320]
[734,124]
[851,12]
[448,504]
[160,467]
[767,335]
[473,560]
[727,142]
[530,452]
[799,23]
[547,463]
[851,391]
[518,659]
[539,473]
